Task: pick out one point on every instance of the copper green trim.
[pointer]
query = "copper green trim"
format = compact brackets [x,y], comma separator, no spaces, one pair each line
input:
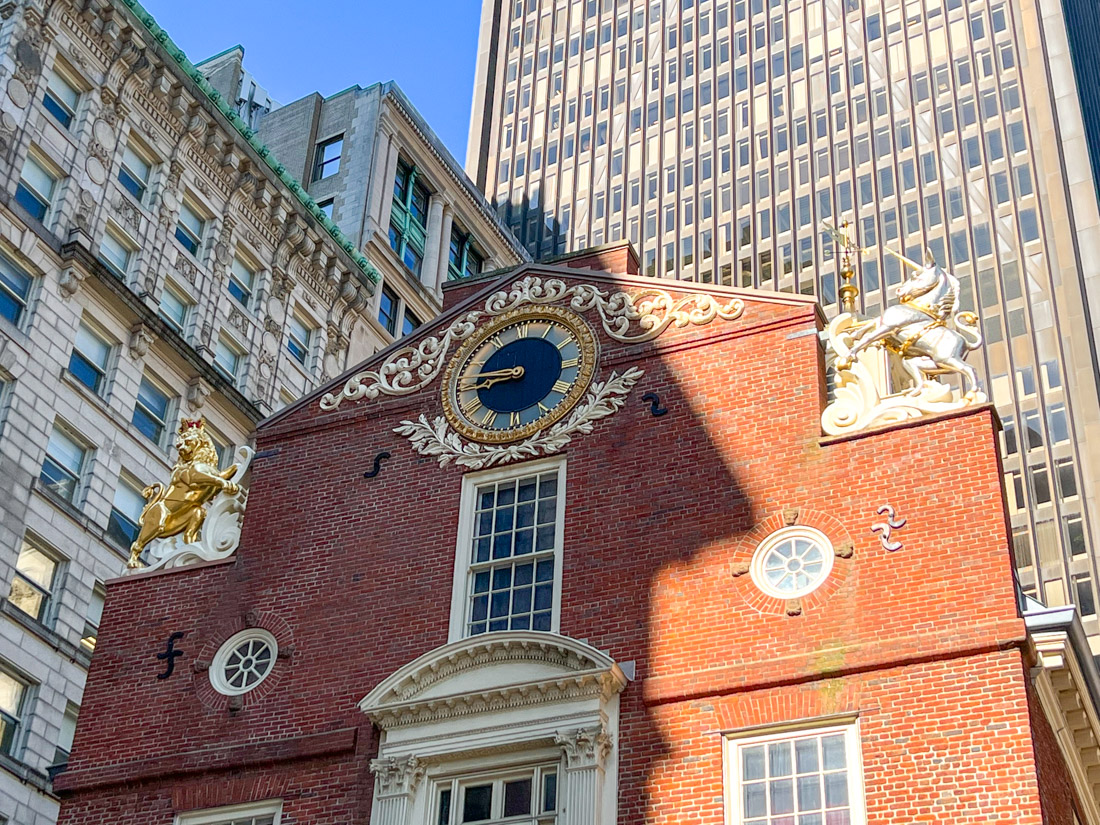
[288,180]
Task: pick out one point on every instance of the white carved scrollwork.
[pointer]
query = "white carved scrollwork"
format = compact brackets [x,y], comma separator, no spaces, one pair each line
[397,776]
[627,317]
[866,380]
[584,747]
[439,440]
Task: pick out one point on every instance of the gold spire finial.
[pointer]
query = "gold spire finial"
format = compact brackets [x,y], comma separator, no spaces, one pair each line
[844,239]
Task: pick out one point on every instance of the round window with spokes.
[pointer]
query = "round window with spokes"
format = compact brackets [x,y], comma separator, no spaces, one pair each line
[792,562]
[245,660]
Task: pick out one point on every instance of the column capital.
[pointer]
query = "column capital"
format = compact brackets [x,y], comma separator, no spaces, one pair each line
[584,747]
[397,776]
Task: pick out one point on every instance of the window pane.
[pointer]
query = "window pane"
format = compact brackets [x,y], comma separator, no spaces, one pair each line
[115,252]
[173,309]
[477,804]
[41,181]
[65,451]
[11,694]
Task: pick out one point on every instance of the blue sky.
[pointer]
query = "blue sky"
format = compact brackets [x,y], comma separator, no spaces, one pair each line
[293,48]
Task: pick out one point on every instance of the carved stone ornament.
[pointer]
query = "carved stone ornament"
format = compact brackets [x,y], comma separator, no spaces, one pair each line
[197,515]
[397,776]
[437,439]
[584,748]
[627,317]
[887,368]
[141,337]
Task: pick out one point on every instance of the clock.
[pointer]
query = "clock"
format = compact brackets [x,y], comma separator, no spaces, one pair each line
[518,374]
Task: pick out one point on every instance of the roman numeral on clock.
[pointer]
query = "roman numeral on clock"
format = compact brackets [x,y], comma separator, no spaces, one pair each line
[488,418]
[561,386]
[513,419]
[470,406]
[570,362]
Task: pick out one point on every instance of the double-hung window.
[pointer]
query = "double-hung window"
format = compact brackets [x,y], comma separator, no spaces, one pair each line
[36,188]
[13,692]
[60,98]
[33,585]
[133,173]
[242,280]
[811,776]
[228,359]
[122,528]
[116,252]
[189,229]
[465,261]
[521,797]
[298,339]
[174,309]
[93,618]
[90,358]
[409,217]
[66,735]
[387,310]
[258,813]
[326,158]
[151,410]
[15,290]
[508,574]
[409,322]
[64,464]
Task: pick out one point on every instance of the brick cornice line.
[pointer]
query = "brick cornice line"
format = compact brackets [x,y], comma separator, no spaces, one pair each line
[209,760]
[990,637]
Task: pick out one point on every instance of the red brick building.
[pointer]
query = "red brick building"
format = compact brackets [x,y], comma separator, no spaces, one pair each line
[578,553]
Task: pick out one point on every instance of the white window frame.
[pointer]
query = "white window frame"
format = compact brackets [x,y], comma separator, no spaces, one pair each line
[59,72]
[734,741]
[248,288]
[467,506]
[305,344]
[231,813]
[124,241]
[123,166]
[188,231]
[231,344]
[526,764]
[780,536]
[51,172]
[184,299]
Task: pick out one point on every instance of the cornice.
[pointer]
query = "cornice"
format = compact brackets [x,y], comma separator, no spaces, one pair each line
[240,131]
[1062,688]
[582,673]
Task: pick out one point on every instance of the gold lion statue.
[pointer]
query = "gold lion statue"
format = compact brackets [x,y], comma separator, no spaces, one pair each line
[181,506]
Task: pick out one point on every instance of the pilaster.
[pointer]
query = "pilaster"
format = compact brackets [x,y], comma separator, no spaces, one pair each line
[430,268]
[585,751]
[396,780]
[444,246]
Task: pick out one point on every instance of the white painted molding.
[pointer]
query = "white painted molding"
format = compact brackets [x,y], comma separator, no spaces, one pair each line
[463,678]
[1065,699]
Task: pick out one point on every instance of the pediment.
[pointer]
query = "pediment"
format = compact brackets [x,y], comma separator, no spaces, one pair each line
[493,671]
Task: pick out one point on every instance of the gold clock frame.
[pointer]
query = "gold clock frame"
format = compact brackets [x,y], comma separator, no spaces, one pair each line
[586,344]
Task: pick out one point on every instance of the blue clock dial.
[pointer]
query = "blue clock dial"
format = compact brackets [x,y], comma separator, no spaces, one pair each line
[541,365]
[519,375]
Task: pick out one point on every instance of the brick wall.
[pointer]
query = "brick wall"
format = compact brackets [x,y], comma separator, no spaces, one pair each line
[662,513]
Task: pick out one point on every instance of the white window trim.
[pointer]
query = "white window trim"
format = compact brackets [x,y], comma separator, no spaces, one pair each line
[756,568]
[467,502]
[224,815]
[217,666]
[848,725]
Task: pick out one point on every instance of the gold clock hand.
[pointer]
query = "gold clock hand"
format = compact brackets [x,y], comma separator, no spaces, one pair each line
[484,380]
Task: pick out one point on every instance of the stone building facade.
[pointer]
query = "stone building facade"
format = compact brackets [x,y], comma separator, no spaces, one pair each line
[156,262]
[387,180]
[646,590]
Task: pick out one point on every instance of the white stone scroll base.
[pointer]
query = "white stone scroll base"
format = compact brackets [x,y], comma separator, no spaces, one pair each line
[873,388]
[221,529]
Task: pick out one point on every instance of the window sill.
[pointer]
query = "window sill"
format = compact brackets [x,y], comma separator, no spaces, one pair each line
[50,637]
[26,774]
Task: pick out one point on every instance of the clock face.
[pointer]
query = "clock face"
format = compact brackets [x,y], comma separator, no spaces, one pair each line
[520,373]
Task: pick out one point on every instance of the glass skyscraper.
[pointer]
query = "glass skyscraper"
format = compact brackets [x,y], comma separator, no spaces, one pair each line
[716,135]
